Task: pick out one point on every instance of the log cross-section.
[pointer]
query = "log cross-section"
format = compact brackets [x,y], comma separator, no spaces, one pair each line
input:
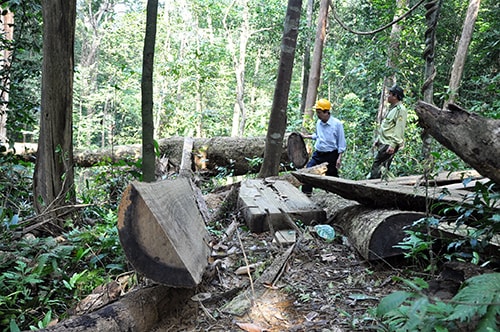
[163,232]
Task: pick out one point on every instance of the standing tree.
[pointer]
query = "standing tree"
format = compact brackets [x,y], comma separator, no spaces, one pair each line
[148,147]
[306,67]
[277,121]
[7,31]
[392,62]
[54,173]
[433,8]
[463,45]
[315,73]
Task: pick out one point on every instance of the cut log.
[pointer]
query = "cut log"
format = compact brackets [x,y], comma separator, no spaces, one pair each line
[384,195]
[375,232]
[187,158]
[262,200]
[473,138]
[209,154]
[441,179]
[297,150]
[163,233]
[136,311]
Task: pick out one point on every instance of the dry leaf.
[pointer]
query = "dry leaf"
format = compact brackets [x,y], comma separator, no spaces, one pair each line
[249,327]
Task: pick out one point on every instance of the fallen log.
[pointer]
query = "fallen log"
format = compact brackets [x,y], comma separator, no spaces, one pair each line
[375,232]
[473,138]
[162,231]
[385,194]
[441,179]
[210,155]
[136,311]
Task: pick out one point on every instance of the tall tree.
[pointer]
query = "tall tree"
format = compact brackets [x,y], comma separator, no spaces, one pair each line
[463,46]
[7,30]
[315,72]
[432,14]
[54,173]
[392,62]
[277,121]
[148,147]
[306,67]
[239,58]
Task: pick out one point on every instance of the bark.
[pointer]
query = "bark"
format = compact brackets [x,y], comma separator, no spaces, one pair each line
[473,138]
[137,311]
[392,62]
[148,148]
[306,67]
[315,72]
[7,29]
[433,8]
[277,122]
[375,232]
[461,55]
[239,60]
[54,174]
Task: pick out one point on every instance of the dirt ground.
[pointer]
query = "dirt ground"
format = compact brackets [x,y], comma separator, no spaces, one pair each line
[323,286]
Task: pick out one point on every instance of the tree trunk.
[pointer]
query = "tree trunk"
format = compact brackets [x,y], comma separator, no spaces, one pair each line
[392,62]
[461,55]
[315,72]
[375,232]
[148,147]
[306,67]
[239,59]
[137,311]
[277,121]
[8,32]
[433,8]
[473,138]
[54,174]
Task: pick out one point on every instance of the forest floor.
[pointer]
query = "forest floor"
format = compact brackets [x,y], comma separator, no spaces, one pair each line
[324,286]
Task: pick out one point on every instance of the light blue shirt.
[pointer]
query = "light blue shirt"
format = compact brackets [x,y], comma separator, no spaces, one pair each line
[329,136]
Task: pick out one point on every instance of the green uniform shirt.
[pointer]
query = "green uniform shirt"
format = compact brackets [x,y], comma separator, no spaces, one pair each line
[392,128]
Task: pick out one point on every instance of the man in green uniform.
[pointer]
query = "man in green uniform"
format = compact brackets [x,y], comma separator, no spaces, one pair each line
[390,136]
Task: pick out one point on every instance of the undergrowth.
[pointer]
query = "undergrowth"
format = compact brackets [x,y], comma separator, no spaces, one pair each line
[476,306]
[42,277]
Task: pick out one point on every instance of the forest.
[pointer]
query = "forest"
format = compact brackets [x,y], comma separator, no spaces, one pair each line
[87,77]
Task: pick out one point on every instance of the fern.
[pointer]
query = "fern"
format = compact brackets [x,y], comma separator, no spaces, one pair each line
[479,298]
[477,303]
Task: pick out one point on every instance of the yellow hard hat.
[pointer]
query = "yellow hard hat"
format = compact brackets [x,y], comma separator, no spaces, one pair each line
[323,104]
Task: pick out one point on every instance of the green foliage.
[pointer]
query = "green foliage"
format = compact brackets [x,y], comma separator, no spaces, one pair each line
[474,308]
[42,278]
[45,277]
[15,195]
[478,212]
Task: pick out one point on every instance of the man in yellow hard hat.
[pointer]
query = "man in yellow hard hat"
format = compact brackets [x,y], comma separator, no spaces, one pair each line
[329,141]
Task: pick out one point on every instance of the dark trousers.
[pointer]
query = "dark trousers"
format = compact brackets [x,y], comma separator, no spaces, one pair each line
[382,159]
[318,158]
